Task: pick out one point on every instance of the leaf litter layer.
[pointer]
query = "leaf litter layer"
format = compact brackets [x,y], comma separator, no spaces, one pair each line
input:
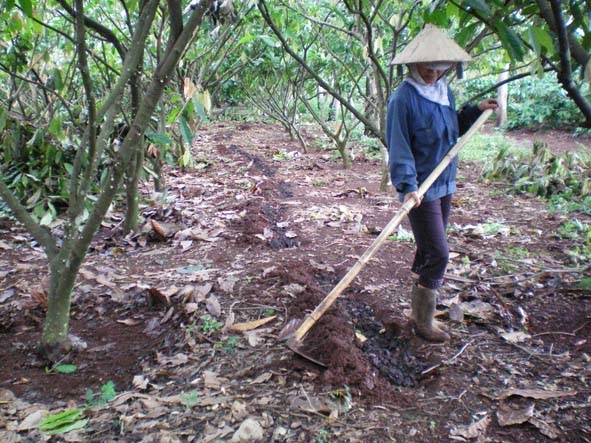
[183,316]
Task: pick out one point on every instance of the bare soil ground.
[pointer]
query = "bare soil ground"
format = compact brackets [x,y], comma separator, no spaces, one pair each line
[184,316]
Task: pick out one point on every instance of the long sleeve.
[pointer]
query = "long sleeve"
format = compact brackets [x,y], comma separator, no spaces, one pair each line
[467,116]
[403,172]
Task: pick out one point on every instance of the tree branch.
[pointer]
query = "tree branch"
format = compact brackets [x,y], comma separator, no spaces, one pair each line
[105,32]
[265,13]
[579,53]
[565,72]
[39,233]
[501,83]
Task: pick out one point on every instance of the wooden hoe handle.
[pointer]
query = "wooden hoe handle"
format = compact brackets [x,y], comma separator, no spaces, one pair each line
[315,315]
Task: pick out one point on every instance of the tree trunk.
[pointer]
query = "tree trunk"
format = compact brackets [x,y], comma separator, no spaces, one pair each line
[132,194]
[345,154]
[55,342]
[385,183]
[502,94]
[65,262]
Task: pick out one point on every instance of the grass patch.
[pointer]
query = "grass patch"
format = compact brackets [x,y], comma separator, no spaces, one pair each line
[484,147]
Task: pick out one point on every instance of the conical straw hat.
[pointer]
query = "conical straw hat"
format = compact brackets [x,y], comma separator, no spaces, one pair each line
[431,45]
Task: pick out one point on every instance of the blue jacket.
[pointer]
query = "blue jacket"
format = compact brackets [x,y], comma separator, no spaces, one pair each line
[419,134]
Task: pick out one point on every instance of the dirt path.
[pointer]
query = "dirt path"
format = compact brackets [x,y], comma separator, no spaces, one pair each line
[260,231]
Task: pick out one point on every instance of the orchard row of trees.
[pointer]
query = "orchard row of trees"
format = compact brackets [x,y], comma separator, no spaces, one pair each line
[94,94]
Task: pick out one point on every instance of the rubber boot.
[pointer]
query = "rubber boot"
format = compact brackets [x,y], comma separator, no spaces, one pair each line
[423,313]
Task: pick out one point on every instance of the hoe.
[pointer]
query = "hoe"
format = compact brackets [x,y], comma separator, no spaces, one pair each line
[295,330]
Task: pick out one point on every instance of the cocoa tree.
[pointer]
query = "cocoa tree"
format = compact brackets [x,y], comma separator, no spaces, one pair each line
[88,32]
[548,35]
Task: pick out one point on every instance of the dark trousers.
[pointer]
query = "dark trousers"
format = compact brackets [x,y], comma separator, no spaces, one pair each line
[429,223]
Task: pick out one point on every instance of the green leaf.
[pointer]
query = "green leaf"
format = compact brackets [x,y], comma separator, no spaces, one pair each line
[27,6]
[3,119]
[55,126]
[187,158]
[186,131]
[78,424]
[268,40]
[108,391]
[58,82]
[540,38]
[46,219]
[57,422]
[585,283]
[246,39]
[510,41]
[158,139]
[65,369]
[173,114]
[200,110]
[480,6]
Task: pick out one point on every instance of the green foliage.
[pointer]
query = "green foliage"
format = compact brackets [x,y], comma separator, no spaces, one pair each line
[541,173]
[565,181]
[209,325]
[402,235]
[565,203]
[532,102]
[540,102]
[577,231]
[370,146]
[484,147]
[190,399]
[322,436]
[507,259]
[62,369]
[62,422]
[585,284]
[229,345]
[36,166]
[107,393]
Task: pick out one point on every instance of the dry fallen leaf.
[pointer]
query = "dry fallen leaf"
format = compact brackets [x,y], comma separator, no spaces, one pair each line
[263,378]
[212,381]
[155,298]
[507,415]
[32,420]
[515,337]
[239,410]
[473,430]
[548,429]
[175,360]
[537,394]
[213,306]
[190,308]
[455,313]
[253,338]
[129,322]
[247,326]
[157,228]
[227,284]
[140,382]
[310,403]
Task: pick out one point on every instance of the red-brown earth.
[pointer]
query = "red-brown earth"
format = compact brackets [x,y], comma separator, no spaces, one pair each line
[262,231]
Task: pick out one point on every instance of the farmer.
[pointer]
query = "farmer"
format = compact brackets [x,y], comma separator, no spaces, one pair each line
[422,126]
